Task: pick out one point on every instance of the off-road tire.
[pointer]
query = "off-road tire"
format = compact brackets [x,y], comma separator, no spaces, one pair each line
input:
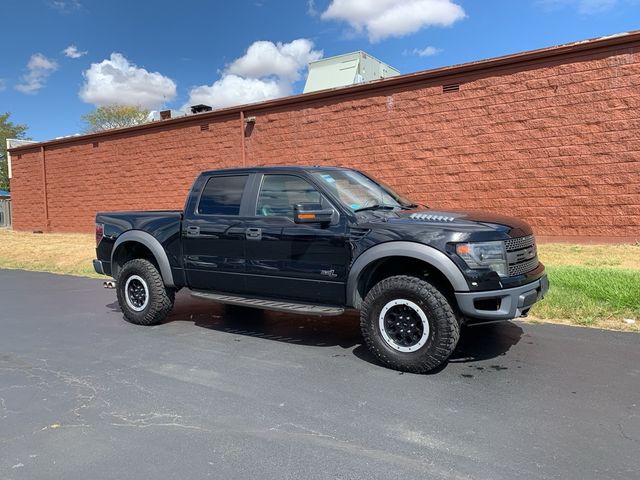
[160,299]
[444,329]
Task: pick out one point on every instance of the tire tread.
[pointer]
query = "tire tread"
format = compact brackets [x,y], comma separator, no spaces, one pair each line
[441,312]
[161,299]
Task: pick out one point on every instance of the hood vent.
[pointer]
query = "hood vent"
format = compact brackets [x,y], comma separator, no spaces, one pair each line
[431,217]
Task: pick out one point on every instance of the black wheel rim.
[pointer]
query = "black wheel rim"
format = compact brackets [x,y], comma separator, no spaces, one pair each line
[137,293]
[403,325]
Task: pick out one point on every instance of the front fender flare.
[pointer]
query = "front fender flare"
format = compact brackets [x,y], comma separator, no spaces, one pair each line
[427,254]
[154,246]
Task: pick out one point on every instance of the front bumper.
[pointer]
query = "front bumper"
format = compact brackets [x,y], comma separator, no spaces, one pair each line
[502,304]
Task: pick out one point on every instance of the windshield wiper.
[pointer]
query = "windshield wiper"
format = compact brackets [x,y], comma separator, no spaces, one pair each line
[413,205]
[376,206]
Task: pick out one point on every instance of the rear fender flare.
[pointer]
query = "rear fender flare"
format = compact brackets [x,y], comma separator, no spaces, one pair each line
[153,245]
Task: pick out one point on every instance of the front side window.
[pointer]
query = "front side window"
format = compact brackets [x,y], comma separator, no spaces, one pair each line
[222,195]
[279,194]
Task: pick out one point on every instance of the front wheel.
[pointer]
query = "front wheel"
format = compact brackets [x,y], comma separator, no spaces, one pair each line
[408,324]
[143,298]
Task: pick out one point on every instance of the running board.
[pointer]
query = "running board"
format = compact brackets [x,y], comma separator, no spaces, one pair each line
[301,308]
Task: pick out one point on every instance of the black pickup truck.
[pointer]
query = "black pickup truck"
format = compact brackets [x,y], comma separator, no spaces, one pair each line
[317,241]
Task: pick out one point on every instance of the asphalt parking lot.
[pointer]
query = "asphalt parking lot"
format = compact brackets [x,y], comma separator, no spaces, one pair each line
[223,393]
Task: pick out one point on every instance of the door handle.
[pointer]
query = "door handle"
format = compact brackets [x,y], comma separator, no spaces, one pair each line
[253,233]
[193,231]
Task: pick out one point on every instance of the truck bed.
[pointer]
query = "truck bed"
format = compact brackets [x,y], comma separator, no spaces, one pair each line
[163,225]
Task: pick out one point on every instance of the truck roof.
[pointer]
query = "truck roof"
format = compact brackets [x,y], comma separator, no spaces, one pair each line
[272,168]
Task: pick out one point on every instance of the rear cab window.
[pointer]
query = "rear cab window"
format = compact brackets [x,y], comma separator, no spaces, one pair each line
[222,195]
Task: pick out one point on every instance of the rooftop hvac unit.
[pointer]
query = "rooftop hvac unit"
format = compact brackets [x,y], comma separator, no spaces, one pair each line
[345,70]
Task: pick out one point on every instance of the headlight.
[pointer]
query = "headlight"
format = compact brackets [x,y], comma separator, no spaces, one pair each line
[491,255]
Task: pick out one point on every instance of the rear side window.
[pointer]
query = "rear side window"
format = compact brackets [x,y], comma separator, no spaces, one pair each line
[222,195]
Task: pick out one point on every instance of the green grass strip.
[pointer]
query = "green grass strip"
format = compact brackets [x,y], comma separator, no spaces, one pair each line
[586,294]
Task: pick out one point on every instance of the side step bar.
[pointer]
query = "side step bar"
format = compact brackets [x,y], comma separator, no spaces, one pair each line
[301,308]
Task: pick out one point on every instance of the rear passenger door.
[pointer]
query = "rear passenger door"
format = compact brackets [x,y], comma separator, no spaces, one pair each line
[213,234]
[304,262]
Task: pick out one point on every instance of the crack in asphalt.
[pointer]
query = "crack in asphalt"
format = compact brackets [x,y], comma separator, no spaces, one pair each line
[625,436]
[302,430]
[145,420]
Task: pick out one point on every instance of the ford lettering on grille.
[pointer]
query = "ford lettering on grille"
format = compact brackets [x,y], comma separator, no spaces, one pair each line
[522,255]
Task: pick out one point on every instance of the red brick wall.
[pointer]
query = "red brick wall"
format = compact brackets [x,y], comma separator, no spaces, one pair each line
[27,192]
[125,172]
[555,142]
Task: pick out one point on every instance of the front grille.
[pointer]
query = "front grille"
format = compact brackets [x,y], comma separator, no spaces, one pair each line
[519,243]
[522,255]
[524,267]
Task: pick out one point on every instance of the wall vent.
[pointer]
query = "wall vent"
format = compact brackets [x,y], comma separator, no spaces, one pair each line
[204,127]
[452,87]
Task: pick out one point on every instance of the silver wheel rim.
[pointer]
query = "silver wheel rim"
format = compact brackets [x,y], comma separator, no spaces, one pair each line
[403,325]
[136,293]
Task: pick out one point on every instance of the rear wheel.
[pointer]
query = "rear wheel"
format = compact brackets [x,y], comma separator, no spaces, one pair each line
[408,324]
[143,298]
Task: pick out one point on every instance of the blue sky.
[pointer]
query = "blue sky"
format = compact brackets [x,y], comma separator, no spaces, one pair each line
[61,58]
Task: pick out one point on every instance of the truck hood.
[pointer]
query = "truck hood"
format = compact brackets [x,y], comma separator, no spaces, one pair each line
[465,220]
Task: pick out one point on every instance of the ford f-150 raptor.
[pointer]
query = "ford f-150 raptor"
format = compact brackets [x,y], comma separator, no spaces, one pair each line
[317,241]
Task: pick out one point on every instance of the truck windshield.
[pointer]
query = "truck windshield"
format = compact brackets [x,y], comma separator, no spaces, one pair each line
[359,192]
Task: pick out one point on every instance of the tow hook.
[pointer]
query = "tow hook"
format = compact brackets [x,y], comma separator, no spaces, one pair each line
[110,284]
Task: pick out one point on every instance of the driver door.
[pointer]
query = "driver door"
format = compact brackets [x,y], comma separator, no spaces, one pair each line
[304,262]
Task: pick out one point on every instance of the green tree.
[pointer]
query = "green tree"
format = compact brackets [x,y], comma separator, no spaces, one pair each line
[8,130]
[107,117]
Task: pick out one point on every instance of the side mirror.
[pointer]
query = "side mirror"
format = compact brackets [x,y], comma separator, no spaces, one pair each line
[311,213]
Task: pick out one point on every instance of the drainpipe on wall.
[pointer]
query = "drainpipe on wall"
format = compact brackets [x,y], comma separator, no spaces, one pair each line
[44,189]
[242,137]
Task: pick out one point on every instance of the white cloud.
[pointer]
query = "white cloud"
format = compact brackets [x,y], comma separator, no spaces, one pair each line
[423,52]
[393,18]
[65,5]
[267,70]
[595,6]
[234,90]
[311,8]
[585,7]
[38,70]
[72,52]
[284,60]
[3,84]
[115,81]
